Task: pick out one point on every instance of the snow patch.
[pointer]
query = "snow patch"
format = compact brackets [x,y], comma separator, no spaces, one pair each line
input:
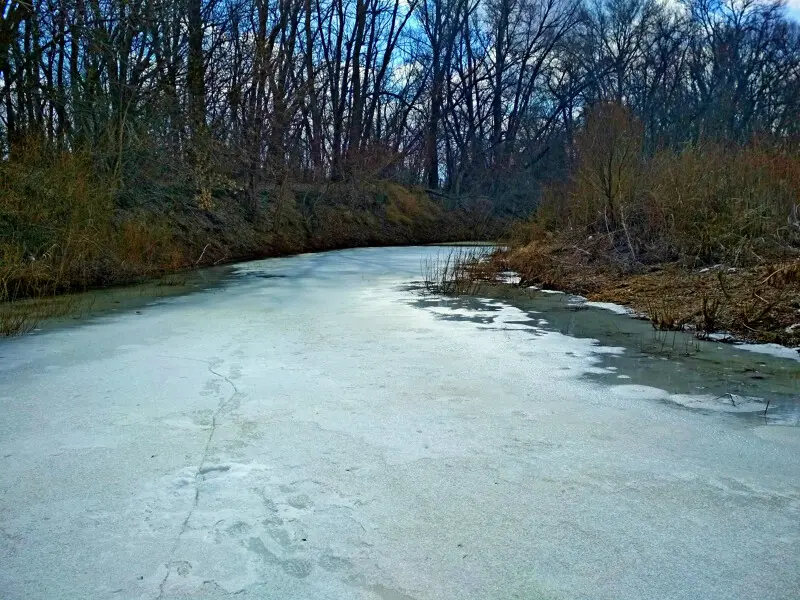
[615,308]
[729,403]
[720,336]
[772,350]
[509,277]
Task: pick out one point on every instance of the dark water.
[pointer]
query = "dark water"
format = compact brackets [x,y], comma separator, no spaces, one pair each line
[75,309]
[747,384]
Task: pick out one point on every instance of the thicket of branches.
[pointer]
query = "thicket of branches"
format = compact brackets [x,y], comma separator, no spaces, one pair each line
[707,203]
[474,97]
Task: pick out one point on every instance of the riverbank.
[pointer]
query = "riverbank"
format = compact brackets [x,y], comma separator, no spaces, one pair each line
[63,231]
[703,237]
[759,304]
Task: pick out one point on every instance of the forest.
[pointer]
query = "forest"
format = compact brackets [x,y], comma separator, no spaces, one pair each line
[139,136]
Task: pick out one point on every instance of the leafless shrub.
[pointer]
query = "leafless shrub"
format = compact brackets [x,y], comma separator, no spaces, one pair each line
[706,204]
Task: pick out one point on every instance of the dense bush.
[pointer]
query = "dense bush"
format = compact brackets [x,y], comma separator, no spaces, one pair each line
[60,229]
[704,204]
[69,222]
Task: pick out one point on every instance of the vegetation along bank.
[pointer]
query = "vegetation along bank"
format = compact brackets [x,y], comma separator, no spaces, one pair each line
[706,237]
[647,150]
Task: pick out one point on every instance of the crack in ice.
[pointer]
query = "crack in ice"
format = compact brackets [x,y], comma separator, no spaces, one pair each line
[223,404]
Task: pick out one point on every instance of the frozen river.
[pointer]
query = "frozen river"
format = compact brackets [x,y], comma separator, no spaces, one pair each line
[313,428]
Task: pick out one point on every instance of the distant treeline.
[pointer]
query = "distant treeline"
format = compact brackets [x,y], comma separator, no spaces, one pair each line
[468,97]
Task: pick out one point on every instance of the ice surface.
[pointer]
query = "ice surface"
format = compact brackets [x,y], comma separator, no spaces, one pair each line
[720,336]
[313,430]
[615,308]
[772,350]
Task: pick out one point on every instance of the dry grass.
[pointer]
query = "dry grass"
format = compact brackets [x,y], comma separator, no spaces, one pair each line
[759,303]
[746,302]
[707,204]
[458,271]
[707,237]
[59,229]
[23,316]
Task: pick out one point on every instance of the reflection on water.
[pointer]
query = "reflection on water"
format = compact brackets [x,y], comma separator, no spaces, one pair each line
[68,309]
[699,375]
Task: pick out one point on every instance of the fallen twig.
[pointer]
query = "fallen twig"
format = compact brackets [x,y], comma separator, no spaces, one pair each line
[202,254]
[771,275]
[729,395]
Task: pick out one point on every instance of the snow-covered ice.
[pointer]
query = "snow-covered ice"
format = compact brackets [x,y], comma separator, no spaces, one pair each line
[772,350]
[615,308]
[313,430]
